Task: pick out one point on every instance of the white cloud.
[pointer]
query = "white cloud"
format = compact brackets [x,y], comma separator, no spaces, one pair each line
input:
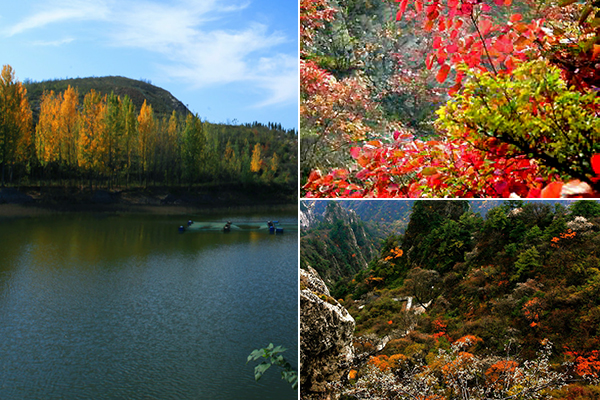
[183,33]
[54,43]
[61,12]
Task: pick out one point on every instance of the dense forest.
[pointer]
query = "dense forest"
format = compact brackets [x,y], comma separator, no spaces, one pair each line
[449,98]
[461,305]
[59,136]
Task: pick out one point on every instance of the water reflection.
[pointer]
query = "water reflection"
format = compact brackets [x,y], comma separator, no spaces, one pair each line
[125,307]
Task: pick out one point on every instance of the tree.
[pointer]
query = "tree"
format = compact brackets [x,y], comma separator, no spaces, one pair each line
[146,127]
[421,284]
[15,122]
[256,161]
[192,148]
[130,132]
[68,126]
[92,137]
[115,136]
[585,208]
[47,137]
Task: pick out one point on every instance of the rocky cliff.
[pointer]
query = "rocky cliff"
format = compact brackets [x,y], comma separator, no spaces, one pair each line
[326,330]
[337,245]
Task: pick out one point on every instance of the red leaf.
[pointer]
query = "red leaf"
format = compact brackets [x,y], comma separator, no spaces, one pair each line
[452,48]
[552,190]
[429,61]
[596,163]
[442,73]
[510,64]
[418,6]
[314,175]
[437,42]
[516,17]
[485,26]
[401,10]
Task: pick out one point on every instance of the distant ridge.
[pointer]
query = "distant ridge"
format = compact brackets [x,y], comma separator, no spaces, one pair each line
[163,103]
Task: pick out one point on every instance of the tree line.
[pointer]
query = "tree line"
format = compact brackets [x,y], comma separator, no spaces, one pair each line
[104,141]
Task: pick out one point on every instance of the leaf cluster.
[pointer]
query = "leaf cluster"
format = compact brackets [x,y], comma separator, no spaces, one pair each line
[270,356]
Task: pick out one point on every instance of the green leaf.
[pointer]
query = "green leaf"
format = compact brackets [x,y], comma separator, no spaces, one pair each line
[260,369]
[564,3]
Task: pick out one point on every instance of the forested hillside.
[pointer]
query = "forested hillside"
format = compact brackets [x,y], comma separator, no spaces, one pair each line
[501,306]
[338,245]
[119,133]
[448,98]
[163,102]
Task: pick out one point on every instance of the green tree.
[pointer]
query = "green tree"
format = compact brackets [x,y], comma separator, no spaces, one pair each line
[192,148]
[527,262]
[585,208]
[130,136]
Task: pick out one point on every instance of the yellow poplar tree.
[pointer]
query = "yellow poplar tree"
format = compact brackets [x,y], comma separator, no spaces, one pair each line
[47,137]
[15,121]
[274,163]
[146,131]
[91,133]
[256,161]
[67,126]
[173,145]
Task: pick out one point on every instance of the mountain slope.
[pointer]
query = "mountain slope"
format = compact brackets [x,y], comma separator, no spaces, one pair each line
[163,102]
[339,246]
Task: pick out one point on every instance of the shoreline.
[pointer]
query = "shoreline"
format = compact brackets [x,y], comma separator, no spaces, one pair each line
[15,203]
[8,210]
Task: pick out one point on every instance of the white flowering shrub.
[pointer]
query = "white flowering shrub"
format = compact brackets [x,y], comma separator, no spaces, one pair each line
[459,374]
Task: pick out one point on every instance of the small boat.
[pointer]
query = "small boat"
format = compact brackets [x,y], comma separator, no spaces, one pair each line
[273,228]
[227,227]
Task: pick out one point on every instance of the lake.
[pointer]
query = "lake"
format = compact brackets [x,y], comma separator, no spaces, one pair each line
[126,307]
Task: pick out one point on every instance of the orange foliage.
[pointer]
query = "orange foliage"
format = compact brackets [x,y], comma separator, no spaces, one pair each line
[468,341]
[531,310]
[352,374]
[498,373]
[385,363]
[588,367]
[570,234]
[459,363]
[394,253]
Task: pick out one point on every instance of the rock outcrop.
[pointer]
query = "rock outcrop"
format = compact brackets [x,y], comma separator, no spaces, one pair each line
[326,331]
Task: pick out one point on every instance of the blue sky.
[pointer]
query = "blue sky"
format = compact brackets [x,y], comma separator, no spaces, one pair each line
[227,60]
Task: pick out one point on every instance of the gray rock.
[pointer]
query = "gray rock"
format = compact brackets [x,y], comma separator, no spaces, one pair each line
[326,331]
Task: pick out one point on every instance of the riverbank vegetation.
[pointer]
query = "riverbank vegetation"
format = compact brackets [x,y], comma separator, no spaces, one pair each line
[102,140]
[504,305]
[448,98]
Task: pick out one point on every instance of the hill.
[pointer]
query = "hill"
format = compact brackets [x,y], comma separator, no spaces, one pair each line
[523,276]
[163,102]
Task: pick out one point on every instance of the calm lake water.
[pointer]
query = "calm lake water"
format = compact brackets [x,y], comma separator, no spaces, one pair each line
[125,307]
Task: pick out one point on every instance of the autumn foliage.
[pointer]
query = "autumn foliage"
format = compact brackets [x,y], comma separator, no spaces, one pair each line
[87,139]
[521,116]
